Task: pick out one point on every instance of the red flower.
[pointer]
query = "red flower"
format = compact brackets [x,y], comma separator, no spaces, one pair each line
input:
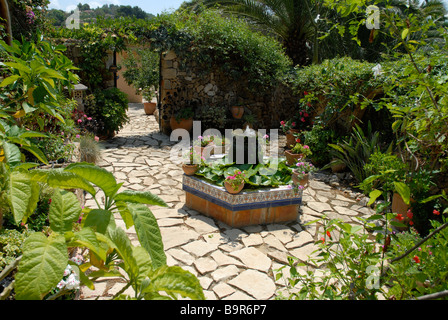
[302,119]
[416,259]
[305,93]
[436,212]
[322,239]
[411,223]
[399,217]
[329,234]
[409,214]
[298,140]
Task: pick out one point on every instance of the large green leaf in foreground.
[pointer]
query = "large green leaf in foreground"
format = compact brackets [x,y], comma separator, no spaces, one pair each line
[41,267]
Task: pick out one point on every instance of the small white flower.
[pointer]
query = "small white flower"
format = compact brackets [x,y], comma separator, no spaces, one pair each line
[61,284]
[67,270]
[377,70]
[72,282]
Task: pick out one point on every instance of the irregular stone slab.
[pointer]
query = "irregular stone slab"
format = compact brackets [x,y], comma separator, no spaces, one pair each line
[224,273]
[255,283]
[202,224]
[299,240]
[281,232]
[318,185]
[182,256]
[319,206]
[252,240]
[306,252]
[162,213]
[279,256]
[345,211]
[340,203]
[223,259]
[273,242]
[222,290]
[238,295]
[199,248]
[253,258]
[205,265]
[169,222]
[168,182]
[176,236]
[205,284]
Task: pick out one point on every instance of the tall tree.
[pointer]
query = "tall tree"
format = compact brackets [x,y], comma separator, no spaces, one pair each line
[290,20]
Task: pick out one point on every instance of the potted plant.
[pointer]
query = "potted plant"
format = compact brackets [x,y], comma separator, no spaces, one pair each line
[249,119]
[183,119]
[289,129]
[141,70]
[192,162]
[237,111]
[297,153]
[234,183]
[205,146]
[148,105]
[300,175]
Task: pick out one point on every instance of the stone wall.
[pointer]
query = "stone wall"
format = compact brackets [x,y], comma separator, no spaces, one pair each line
[182,84]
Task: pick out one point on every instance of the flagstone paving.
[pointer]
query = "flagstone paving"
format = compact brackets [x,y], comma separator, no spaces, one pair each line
[230,263]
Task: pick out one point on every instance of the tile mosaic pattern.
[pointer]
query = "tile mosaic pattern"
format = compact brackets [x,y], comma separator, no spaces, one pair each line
[245,200]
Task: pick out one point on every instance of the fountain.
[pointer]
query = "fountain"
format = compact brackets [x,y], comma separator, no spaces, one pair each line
[249,207]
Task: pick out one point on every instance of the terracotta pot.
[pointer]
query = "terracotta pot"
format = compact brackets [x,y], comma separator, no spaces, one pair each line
[186,124]
[300,182]
[230,189]
[293,158]
[190,169]
[149,107]
[237,111]
[290,139]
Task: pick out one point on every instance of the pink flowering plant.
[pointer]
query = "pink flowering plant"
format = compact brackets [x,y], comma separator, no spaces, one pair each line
[287,125]
[302,149]
[302,168]
[205,141]
[236,179]
[193,157]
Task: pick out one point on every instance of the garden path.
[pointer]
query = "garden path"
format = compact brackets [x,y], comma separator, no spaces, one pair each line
[230,263]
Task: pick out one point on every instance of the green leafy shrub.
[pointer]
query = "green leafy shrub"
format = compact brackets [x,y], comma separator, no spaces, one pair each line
[389,166]
[335,86]
[355,151]
[11,242]
[142,71]
[223,43]
[425,270]
[318,139]
[109,108]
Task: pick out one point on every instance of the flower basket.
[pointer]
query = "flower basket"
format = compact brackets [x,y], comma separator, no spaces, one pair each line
[234,183]
[300,179]
[231,189]
[190,169]
[290,139]
[293,158]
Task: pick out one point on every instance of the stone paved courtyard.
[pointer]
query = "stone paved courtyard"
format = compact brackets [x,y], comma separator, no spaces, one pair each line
[230,263]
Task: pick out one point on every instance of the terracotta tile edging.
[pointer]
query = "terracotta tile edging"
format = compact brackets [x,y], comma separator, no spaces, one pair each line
[270,205]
